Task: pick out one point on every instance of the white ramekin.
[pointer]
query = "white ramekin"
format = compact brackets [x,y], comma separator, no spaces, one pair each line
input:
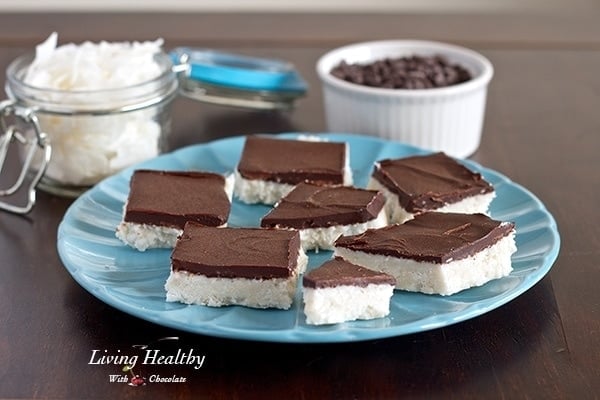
[448,119]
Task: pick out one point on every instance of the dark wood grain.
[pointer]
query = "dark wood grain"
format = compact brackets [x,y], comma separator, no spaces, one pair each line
[542,130]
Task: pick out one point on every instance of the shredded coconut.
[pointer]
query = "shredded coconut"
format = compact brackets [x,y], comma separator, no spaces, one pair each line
[87,148]
[93,66]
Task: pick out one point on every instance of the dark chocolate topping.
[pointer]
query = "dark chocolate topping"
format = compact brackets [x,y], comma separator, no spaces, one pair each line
[170,198]
[311,206]
[431,237]
[339,272]
[429,182]
[236,252]
[292,161]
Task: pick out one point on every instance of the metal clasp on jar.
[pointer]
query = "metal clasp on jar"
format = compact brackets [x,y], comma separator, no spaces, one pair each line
[20,129]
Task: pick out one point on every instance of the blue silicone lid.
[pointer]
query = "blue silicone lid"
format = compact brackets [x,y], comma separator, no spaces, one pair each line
[239,71]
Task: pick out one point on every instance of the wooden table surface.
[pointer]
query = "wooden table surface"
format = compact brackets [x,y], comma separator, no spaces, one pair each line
[542,129]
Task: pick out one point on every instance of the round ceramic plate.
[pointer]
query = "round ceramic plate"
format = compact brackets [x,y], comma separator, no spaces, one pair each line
[133,281]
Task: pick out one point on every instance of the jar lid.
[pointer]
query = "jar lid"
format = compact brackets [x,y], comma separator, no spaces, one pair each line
[226,78]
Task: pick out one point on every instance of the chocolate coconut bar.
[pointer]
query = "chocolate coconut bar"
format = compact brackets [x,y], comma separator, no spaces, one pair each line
[441,253]
[434,182]
[339,291]
[323,213]
[226,266]
[270,167]
[161,202]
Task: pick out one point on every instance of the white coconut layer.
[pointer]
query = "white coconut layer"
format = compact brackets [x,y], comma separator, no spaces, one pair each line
[346,303]
[398,214]
[324,238]
[445,279]
[145,236]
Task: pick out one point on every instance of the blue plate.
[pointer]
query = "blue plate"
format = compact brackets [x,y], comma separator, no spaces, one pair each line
[133,282]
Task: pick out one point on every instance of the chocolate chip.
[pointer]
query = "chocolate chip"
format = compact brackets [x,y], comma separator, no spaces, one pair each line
[414,72]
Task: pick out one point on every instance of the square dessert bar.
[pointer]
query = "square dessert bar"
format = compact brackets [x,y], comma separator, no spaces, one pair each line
[245,266]
[161,202]
[339,291]
[270,167]
[323,213]
[435,182]
[441,253]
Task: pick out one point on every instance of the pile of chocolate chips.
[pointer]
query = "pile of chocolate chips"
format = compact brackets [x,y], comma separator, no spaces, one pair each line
[414,72]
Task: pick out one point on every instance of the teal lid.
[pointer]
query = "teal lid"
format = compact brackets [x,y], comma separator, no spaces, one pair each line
[221,77]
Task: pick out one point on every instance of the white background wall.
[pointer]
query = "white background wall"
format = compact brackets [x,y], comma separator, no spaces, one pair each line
[298,5]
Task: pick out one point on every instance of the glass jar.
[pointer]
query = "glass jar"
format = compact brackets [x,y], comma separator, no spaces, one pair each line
[95,133]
